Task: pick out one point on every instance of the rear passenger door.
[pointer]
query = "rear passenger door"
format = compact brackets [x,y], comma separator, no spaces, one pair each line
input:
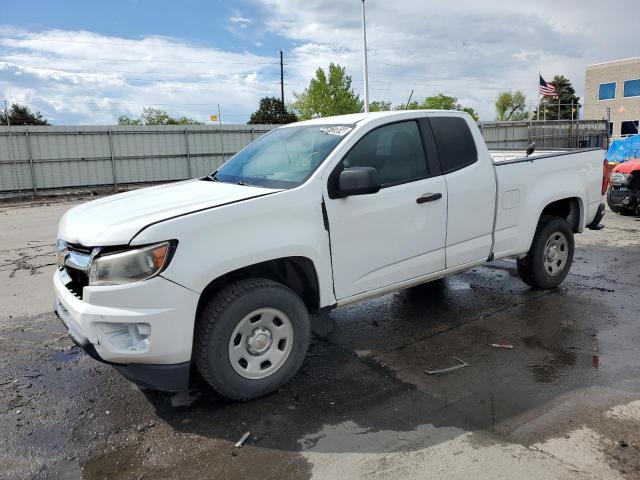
[399,232]
[471,188]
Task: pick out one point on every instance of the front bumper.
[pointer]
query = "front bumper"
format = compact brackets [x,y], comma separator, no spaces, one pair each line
[621,197]
[107,320]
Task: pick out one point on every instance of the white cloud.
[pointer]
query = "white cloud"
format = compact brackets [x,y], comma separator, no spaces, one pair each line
[466,48]
[84,77]
[242,21]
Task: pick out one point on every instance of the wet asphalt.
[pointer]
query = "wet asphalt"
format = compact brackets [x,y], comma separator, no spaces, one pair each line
[564,402]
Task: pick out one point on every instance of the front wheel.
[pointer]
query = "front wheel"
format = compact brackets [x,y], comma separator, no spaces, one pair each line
[549,259]
[251,338]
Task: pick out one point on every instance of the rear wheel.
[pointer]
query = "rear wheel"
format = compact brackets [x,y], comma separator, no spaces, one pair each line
[549,259]
[251,338]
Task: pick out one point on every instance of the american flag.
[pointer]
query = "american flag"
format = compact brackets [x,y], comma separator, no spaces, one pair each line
[547,89]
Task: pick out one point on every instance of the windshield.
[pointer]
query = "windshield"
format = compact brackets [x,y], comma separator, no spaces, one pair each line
[282,158]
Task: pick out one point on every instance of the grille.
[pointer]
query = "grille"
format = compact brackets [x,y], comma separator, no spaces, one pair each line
[79,278]
[618,194]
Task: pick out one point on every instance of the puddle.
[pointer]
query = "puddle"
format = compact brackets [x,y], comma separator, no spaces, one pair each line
[67,355]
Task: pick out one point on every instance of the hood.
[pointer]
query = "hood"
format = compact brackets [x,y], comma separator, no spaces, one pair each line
[628,166]
[116,219]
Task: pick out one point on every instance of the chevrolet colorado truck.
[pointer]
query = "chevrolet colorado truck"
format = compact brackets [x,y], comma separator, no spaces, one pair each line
[222,273]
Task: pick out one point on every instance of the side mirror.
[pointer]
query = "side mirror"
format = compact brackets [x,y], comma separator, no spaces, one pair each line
[358,181]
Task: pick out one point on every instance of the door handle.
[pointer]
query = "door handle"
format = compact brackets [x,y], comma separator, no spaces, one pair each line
[429,197]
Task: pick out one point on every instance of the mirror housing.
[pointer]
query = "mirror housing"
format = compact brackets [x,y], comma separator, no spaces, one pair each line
[358,181]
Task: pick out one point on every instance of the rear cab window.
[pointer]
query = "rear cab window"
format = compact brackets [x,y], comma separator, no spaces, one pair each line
[454,142]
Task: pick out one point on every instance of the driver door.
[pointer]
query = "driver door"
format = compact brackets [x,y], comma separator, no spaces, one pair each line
[395,234]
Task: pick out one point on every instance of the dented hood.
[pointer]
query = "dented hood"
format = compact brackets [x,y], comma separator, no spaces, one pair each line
[116,219]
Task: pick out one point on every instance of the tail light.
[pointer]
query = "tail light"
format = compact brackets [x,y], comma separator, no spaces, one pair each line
[605,176]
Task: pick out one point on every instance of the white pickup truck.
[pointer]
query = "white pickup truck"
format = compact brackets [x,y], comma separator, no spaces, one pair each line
[221,273]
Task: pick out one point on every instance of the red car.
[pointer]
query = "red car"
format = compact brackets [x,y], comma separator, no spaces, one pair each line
[624,194]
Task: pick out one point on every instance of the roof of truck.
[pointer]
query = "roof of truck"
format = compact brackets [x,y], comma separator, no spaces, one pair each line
[364,117]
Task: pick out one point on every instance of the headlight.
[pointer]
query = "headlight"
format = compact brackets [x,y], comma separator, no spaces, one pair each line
[131,265]
[619,178]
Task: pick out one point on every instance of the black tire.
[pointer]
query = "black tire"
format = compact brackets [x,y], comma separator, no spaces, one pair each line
[215,326]
[532,268]
[627,212]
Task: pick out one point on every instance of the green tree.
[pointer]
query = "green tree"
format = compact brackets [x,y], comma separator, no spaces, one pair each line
[124,120]
[154,116]
[21,115]
[379,106]
[511,106]
[410,106]
[327,95]
[566,96]
[271,111]
[439,102]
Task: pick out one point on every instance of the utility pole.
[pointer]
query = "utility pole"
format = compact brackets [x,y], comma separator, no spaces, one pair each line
[366,68]
[409,101]
[281,79]
[221,136]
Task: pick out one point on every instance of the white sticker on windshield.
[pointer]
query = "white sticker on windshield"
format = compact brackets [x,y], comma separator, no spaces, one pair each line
[338,130]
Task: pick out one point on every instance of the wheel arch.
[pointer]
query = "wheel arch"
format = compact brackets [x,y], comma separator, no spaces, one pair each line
[570,208]
[296,272]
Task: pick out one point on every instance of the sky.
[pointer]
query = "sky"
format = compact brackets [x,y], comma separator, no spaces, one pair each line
[88,62]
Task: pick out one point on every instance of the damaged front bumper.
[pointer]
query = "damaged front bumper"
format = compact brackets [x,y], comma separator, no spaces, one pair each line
[622,197]
[149,340]
[169,378]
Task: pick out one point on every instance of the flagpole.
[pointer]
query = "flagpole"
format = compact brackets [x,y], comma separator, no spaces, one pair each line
[364,60]
[538,119]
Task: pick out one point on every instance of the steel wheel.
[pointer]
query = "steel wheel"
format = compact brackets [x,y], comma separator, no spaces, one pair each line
[260,343]
[556,252]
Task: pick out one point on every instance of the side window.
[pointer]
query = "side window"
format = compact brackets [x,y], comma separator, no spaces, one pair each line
[455,143]
[394,150]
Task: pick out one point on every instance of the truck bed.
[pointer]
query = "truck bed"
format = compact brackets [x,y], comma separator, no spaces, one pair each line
[525,185]
[509,155]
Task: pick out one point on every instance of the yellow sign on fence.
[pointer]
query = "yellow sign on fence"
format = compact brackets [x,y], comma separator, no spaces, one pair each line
[214,118]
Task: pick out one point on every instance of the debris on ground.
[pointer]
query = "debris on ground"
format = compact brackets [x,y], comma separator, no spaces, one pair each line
[502,345]
[243,439]
[461,364]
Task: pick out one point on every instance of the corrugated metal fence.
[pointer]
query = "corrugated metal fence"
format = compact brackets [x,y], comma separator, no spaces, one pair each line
[39,159]
[33,159]
[547,134]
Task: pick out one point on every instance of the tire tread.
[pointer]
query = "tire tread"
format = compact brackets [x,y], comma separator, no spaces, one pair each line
[211,314]
[527,265]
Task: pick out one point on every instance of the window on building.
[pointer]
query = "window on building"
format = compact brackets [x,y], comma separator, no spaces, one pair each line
[629,127]
[632,88]
[610,129]
[607,91]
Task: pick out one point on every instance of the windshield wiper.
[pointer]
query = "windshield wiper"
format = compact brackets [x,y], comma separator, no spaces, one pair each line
[244,184]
